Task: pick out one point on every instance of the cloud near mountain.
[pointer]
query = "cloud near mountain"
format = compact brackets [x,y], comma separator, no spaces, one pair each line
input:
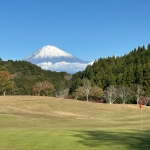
[63,66]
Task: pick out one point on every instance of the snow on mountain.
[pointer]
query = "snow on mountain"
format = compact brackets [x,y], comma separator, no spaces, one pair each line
[54,59]
[52,54]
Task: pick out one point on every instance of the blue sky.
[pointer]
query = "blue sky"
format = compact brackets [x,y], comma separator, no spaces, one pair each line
[87,29]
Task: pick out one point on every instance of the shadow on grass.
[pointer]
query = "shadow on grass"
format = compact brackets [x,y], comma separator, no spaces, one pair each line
[134,140]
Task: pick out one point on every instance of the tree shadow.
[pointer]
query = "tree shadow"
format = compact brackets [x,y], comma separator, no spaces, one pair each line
[129,140]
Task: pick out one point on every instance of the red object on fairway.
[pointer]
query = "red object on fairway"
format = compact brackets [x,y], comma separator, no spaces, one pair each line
[140,105]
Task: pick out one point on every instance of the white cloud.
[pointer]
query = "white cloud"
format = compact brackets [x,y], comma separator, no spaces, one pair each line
[63,66]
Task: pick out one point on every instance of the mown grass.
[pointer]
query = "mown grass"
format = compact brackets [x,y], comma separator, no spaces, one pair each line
[46,123]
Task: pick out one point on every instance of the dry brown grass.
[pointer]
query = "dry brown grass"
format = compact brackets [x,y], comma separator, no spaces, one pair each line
[43,112]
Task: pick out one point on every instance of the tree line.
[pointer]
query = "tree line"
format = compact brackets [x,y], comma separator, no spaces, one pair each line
[24,78]
[126,71]
[122,79]
[111,94]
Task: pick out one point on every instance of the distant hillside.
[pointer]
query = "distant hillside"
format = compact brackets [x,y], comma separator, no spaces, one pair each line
[25,75]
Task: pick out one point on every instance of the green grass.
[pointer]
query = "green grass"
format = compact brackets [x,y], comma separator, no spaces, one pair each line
[46,123]
[66,139]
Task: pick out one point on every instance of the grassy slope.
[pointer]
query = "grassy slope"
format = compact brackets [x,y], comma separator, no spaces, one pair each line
[40,123]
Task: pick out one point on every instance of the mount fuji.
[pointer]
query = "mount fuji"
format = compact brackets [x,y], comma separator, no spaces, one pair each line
[54,59]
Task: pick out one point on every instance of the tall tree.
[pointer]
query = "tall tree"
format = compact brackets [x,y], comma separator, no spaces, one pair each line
[124,93]
[79,92]
[62,93]
[111,94]
[87,87]
[96,92]
[5,82]
[43,88]
[138,92]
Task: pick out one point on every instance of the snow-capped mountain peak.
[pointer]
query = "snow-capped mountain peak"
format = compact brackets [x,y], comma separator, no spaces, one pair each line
[52,58]
[49,52]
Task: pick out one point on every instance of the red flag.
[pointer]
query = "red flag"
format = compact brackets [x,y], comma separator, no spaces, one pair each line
[140,105]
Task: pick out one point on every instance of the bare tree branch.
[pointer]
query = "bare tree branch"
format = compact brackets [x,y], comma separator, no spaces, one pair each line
[138,92]
[111,94]
[87,87]
[124,92]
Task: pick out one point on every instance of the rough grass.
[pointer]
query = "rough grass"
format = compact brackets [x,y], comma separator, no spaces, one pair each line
[45,123]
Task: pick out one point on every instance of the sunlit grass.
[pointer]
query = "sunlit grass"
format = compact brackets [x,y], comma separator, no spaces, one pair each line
[41,123]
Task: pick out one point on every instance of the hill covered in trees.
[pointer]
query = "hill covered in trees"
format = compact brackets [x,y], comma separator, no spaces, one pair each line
[131,70]
[24,78]
[126,78]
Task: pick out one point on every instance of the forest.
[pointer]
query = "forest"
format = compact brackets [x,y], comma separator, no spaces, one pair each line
[24,78]
[121,79]
[129,73]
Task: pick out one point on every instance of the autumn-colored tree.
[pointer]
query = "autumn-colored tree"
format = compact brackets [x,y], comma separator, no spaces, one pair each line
[144,100]
[43,88]
[6,84]
[79,92]
[96,92]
